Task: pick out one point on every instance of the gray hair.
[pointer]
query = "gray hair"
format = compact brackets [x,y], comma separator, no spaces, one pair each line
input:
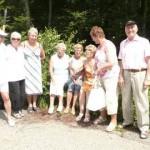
[33,30]
[15,34]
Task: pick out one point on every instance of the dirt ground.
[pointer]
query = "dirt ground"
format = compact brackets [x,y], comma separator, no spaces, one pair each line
[41,118]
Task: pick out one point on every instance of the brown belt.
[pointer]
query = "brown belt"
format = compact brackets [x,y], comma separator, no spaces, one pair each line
[136,70]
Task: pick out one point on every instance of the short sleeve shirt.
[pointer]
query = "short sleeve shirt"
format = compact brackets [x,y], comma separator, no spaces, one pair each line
[133,53]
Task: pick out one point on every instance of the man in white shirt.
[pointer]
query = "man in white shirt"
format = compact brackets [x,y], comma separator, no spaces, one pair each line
[135,77]
[3,79]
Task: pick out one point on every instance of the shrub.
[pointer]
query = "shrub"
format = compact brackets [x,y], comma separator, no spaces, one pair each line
[49,39]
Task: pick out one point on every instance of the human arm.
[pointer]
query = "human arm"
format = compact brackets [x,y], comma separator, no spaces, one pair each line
[42,53]
[147,79]
[51,70]
[121,79]
[109,52]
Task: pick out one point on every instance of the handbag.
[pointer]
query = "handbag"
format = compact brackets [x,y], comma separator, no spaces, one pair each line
[96,100]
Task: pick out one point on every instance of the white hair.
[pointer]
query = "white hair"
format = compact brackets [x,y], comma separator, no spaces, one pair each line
[15,34]
[61,45]
[32,30]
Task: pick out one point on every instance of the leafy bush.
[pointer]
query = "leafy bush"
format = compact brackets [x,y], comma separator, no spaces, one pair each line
[49,39]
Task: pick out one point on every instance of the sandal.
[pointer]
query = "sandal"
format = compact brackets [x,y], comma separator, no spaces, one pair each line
[99,120]
[73,111]
[66,111]
[79,117]
[87,118]
[17,115]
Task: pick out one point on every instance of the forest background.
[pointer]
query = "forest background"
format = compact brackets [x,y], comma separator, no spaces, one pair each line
[70,21]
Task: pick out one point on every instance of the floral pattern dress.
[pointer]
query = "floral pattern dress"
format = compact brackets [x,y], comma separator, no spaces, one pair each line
[88,83]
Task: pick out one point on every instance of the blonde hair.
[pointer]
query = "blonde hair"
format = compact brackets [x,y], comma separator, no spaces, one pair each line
[32,30]
[91,48]
[97,31]
[78,46]
[61,45]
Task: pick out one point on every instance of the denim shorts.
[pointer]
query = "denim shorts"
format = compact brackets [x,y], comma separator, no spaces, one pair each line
[72,87]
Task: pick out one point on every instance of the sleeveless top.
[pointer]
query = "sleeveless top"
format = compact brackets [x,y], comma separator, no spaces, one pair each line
[33,82]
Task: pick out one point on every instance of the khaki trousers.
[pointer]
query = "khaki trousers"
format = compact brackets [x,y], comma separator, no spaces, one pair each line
[134,86]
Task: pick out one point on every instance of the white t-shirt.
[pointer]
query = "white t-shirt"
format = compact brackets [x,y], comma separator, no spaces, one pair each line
[15,63]
[3,67]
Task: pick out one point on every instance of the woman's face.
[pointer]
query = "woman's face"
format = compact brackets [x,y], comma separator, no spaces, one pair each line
[15,41]
[78,52]
[96,39]
[89,54]
[33,37]
[60,51]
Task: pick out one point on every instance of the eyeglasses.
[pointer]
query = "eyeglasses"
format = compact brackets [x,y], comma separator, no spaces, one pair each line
[17,39]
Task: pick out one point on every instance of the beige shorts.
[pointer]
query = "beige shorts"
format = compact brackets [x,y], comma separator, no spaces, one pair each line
[4,87]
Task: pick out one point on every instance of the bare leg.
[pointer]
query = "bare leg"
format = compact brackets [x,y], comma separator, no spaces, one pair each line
[82,105]
[69,97]
[104,113]
[114,119]
[7,103]
[51,108]
[52,98]
[34,99]
[29,99]
[87,112]
[75,97]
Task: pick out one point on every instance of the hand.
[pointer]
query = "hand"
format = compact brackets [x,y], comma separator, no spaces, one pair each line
[121,81]
[146,83]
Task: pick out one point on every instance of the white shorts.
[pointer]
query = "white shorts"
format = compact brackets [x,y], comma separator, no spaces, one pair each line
[4,87]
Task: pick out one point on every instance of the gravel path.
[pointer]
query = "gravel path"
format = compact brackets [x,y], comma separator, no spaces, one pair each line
[43,132]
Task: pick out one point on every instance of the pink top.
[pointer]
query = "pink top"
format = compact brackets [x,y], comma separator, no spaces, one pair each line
[133,53]
[101,59]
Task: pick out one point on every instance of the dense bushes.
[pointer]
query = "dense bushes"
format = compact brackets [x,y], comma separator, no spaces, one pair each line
[49,39]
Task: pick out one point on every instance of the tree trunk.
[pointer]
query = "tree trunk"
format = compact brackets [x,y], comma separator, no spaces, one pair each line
[27,9]
[50,14]
[144,15]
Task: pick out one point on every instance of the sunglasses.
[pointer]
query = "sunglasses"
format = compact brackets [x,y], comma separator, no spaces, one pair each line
[17,39]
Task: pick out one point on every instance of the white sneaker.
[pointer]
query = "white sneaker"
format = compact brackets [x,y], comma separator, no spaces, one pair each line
[111,127]
[60,108]
[50,110]
[11,122]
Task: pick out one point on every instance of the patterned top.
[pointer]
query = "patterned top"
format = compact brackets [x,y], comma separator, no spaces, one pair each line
[88,83]
[33,82]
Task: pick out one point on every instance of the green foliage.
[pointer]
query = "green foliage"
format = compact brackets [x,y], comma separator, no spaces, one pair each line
[49,39]
[19,24]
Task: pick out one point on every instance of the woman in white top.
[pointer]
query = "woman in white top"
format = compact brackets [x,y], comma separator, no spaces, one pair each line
[76,75]
[108,72]
[16,74]
[59,72]
[4,80]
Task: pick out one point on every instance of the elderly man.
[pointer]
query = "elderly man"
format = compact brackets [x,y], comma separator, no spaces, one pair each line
[135,77]
[3,79]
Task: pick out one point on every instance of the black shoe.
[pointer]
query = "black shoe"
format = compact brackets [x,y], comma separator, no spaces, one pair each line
[123,126]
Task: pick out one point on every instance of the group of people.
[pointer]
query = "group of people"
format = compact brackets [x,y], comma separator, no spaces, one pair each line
[20,66]
[21,75]
[132,74]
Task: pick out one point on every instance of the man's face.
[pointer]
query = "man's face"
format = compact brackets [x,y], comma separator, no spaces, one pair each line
[131,31]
